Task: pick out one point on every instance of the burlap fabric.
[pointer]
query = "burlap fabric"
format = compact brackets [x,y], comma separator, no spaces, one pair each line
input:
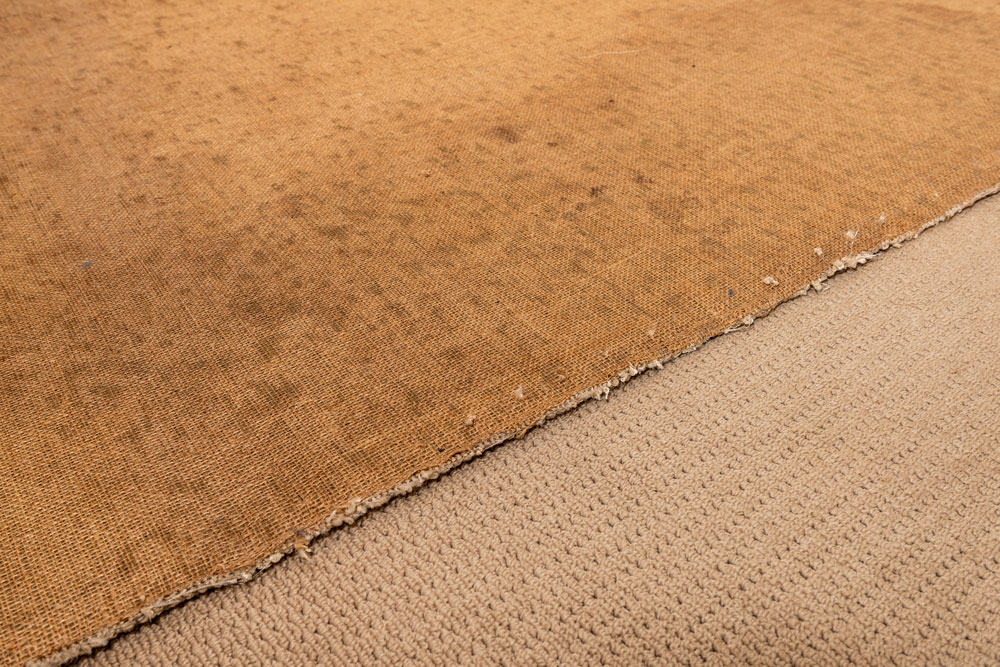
[259,260]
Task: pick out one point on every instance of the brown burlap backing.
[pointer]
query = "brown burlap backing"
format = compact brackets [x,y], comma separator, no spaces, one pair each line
[257,260]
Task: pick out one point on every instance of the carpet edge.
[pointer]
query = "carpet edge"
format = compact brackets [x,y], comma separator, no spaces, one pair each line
[358,507]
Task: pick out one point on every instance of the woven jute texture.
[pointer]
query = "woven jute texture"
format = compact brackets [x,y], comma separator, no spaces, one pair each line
[822,488]
[260,259]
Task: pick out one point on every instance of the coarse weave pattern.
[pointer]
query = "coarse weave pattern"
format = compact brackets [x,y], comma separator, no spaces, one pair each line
[820,489]
[258,259]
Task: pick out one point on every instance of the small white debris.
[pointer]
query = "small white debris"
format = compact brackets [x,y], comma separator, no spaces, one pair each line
[352,506]
[882,218]
[560,377]
[769,280]
[607,353]
[470,420]
[519,393]
[302,545]
[851,234]
[652,333]
[818,251]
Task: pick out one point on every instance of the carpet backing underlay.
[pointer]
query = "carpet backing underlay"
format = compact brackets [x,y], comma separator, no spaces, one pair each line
[822,488]
[264,265]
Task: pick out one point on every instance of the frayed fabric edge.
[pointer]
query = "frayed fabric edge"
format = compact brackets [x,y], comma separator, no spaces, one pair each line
[358,507]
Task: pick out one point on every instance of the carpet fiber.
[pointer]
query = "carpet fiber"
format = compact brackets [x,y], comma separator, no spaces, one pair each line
[822,488]
[258,260]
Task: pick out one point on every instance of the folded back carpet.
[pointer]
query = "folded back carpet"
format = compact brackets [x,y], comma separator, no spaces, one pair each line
[797,493]
[263,265]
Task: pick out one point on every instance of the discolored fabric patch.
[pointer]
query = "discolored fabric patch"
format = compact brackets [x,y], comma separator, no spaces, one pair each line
[257,264]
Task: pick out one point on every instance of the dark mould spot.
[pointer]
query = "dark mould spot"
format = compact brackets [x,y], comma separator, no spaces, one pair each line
[267,348]
[506,134]
[106,392]
[335,232]
[293,206]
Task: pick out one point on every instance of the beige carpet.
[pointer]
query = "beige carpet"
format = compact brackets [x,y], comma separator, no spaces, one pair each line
[820,488]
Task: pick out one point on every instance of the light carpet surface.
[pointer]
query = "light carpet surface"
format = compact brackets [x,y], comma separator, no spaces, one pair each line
[258,259]
[822,488]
